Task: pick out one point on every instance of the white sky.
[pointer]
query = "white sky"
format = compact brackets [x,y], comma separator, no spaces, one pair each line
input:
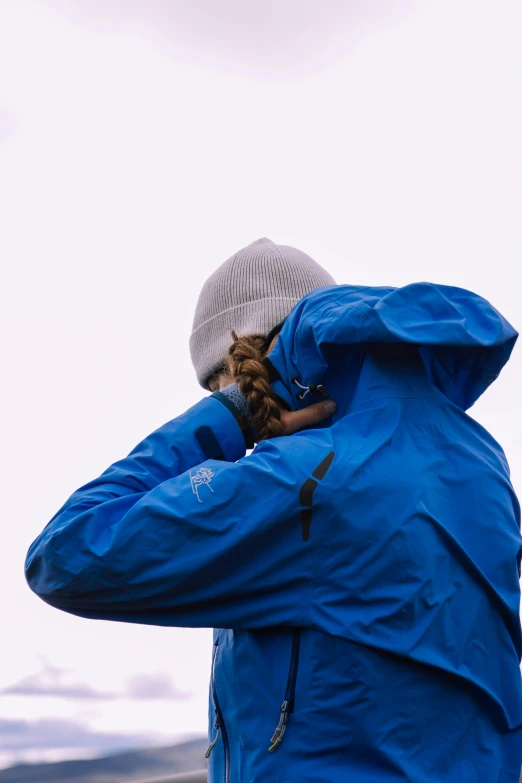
[141,144]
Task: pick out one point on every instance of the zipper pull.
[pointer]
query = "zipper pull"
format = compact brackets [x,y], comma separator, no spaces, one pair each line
[214,741]
[278,734]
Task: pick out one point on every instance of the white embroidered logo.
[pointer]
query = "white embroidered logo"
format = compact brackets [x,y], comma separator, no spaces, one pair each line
[203,476]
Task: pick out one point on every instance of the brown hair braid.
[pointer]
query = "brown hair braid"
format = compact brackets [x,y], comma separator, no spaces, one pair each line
[245,362]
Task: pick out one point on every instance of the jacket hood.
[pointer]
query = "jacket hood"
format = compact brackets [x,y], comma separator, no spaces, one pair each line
[462,339]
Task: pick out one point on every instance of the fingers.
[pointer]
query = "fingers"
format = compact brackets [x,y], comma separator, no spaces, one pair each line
[296,420]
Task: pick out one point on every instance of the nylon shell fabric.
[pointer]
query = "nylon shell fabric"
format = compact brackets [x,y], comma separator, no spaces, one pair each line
[397,567]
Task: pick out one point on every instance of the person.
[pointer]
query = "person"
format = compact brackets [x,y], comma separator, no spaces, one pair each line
[360,566]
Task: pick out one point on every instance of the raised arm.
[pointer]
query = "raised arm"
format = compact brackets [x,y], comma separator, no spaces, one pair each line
[169,536]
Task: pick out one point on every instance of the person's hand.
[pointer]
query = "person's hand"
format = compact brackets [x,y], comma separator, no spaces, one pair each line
[293,421]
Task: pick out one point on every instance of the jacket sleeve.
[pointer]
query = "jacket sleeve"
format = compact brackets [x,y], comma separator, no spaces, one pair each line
[168,537]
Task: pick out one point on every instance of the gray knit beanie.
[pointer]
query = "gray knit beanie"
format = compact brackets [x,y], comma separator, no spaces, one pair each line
[250,293]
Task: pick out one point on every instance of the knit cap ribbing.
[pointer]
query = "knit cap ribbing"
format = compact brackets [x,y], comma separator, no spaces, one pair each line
[249,293]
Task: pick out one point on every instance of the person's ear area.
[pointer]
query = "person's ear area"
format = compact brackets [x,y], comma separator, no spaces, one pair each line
[219,381]
[225,379]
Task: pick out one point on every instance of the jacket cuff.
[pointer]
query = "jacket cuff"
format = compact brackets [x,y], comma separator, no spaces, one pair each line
[215,432]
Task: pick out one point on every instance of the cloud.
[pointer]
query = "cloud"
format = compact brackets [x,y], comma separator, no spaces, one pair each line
[56,733]
[267,37]
[153,686]
[53,681]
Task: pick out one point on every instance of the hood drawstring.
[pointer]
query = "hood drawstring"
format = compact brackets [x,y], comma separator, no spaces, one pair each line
[313,388]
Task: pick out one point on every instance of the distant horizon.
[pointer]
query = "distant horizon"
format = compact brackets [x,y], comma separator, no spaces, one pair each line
[200,742]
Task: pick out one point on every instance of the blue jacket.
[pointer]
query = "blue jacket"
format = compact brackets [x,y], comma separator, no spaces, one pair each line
[363,575]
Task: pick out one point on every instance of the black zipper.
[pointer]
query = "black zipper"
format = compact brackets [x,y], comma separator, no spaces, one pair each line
[287,707]
[219,723]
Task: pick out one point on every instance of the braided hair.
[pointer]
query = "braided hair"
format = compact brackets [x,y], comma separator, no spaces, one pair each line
[245,363]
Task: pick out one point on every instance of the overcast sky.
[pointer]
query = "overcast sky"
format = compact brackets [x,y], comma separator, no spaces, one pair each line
[142,142]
